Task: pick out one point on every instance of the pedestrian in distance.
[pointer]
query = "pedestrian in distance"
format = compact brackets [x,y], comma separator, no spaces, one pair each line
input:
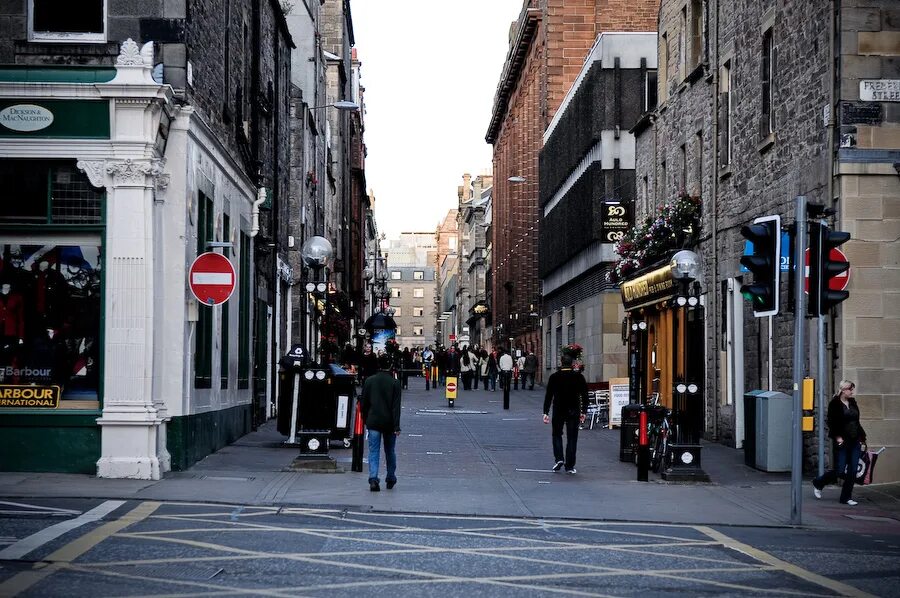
[505,364]
[466,367]
[430,370]
[529,369]
[567,393]
[520,370]
[847,438]
[380,407]
[493,368]
[483,368]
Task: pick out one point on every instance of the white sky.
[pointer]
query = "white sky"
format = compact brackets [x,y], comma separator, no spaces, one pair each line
[430,70]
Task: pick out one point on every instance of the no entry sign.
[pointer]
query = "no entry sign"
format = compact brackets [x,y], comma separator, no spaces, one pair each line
[839,282]
[211,278]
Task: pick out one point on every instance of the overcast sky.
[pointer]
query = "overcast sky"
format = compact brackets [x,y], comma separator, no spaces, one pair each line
[430,70]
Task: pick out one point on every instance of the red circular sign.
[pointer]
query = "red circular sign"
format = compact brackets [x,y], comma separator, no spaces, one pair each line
[839,282]
[211,278]
[451,387]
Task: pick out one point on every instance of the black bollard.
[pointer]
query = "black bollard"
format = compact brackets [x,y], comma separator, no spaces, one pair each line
[506,383]
[358,434]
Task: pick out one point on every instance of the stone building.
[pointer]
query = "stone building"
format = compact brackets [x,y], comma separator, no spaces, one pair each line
[446,266]
[586,192]
[411,291]
[153,152]
[751,114]
[471,302]
[548,45]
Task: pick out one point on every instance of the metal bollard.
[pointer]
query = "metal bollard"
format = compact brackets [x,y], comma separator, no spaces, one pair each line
[643,456]
[358,434]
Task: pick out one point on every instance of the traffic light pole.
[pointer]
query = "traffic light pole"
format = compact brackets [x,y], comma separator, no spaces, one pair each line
[799,362]
[820,392]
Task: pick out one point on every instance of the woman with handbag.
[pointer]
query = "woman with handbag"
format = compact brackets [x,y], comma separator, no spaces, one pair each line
[847,437]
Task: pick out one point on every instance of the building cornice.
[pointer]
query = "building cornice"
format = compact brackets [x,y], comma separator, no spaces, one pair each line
[512,68]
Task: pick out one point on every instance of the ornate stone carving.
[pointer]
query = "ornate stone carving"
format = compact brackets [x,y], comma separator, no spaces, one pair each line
[94,171]
[130,54]
[147,54]
[129,172]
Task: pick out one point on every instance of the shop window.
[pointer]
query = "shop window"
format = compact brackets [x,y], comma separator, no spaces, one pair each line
[243,380]
[203,347]
[50,311]
[48,192]
[226,331]
[52,20]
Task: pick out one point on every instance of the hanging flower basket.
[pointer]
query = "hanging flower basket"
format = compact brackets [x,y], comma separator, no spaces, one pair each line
[676,225]
[573,350]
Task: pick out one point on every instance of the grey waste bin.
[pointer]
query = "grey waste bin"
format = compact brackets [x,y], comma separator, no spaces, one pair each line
[773,431]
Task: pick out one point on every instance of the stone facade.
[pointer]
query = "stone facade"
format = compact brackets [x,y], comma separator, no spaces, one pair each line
[743,128]
[413,315]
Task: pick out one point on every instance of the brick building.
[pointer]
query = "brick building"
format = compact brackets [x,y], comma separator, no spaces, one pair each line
[750,115]
[153,152]
[446,269]
[548,45]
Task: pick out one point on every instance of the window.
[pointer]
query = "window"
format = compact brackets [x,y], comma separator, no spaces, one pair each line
[418,312]
[661,182]
[696,33]
[451,243]
[203,348]
[650,90]
[570,326]
[682,45]
[396,275]
[645,194]
[698,164]
[418,293]
[767,79]
[243,380]
[683,154]
[398,332]
[398,311]
[725,114]
[418,331]
[48,192]
[52,20]
[395,293]
[226,331]
[418,275]
[663,67]
[548,360]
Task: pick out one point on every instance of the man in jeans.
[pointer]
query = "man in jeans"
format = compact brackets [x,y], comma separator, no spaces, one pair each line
[380,407]
[567,392]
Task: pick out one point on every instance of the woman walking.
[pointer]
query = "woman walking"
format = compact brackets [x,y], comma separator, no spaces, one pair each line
[847,436]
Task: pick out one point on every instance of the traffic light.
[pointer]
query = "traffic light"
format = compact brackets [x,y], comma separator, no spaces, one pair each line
[764,264]
[826,264]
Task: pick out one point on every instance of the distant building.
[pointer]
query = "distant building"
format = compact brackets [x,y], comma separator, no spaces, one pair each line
[412,299]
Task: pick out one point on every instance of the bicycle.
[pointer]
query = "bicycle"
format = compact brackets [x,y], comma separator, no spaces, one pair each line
[659,436]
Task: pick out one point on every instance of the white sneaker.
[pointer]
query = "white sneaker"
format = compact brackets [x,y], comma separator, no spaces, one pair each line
[572,471]
[851,503]
[816,492]
[558,466]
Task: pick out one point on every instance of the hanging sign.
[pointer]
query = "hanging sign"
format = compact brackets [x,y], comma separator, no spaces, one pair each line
[615,219]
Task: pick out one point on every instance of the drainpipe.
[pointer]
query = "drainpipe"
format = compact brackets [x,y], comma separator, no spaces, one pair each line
[715,218]
[254,212]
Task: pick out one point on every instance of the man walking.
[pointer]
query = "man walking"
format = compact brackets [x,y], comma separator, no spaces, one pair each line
[380,408]
[567,391]
[505,364]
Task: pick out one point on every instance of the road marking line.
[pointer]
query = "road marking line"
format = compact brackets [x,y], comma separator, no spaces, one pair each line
[820,580]
[38,539]
[74,549]
[39,508]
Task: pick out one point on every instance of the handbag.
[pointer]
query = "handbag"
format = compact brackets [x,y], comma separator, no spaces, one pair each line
[865,469]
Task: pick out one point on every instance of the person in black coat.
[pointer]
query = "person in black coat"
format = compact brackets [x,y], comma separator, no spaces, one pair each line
[380,407]
[567,392]
[847,437]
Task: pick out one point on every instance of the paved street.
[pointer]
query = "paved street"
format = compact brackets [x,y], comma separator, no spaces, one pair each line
[476,512]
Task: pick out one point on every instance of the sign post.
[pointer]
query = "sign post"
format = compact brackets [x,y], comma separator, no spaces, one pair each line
[211,278]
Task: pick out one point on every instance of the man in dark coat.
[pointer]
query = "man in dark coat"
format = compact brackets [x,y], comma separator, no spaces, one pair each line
[380,406]
[567,392]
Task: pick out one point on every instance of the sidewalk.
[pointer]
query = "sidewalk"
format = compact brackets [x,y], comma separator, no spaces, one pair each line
[478,459]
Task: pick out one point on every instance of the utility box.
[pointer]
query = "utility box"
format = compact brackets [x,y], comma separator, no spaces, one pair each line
[773,431]
[750,427]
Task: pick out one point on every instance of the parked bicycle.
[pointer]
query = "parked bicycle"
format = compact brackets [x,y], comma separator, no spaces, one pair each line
[660,435]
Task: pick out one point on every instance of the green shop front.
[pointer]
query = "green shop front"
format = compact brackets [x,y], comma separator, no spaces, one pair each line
[79,167]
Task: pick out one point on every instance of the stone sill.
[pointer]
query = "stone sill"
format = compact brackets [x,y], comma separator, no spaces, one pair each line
[766,143]
[724,172]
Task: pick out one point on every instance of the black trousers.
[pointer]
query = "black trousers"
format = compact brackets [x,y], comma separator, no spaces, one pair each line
[570,422]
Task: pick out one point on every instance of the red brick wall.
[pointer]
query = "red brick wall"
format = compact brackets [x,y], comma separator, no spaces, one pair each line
[565,35]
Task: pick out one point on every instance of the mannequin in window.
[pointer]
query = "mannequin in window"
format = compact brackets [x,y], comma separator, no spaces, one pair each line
[12,321]
[49,295]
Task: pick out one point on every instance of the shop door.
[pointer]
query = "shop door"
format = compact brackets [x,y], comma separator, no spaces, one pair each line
[733,356]
[261,386]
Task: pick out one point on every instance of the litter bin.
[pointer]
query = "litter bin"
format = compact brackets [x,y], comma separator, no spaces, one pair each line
[628,431]
[750,427]
[290,375]
[344,389]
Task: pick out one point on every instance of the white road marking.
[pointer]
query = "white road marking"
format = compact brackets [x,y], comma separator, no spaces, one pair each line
[534,470]
[36,508]
[38,539]
[433,453]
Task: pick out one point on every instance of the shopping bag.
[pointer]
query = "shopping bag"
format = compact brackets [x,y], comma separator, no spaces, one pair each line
[865,469]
